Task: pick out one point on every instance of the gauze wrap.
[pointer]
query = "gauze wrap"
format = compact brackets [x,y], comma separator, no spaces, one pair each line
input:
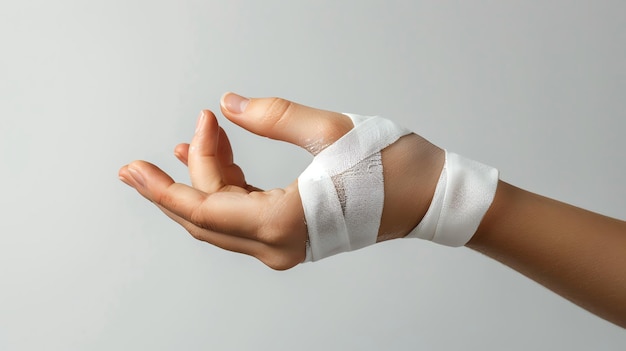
[464,192]
[342,193]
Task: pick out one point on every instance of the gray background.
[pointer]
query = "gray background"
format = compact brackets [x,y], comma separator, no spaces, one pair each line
[536,89]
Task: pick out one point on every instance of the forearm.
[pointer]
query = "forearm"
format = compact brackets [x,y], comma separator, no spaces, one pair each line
[576,253]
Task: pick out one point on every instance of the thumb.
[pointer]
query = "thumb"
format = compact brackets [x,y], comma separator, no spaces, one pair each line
[280,119]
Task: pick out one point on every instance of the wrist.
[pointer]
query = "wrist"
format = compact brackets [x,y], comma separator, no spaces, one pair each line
[412,167]
[495,217]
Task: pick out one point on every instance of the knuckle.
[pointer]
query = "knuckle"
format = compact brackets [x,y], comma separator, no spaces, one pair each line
[335,128]
[167,200]
[277,111]
[329,129]
[200,218]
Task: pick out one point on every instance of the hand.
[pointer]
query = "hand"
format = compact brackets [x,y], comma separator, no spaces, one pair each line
[222,209]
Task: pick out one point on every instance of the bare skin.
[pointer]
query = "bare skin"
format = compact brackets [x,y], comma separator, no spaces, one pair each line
[578,254]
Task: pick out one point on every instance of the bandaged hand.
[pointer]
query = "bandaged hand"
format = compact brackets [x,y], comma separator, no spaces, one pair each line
[370,180]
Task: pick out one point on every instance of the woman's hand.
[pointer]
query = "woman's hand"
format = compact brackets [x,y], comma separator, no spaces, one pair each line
[574,252]
[221,208]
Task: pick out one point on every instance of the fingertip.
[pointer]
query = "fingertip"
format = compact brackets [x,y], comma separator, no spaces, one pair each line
[180,148]
[136,164]
[126,181]
[121,171]
[222,98]
[200,120]
[233,104]
[206,119]
[124,176]
[125,171]
[133,174]
[204,142]
[136,175]
[181,151]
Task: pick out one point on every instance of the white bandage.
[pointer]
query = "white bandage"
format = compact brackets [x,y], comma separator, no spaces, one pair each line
[342,190]
[464,192]
[342,193]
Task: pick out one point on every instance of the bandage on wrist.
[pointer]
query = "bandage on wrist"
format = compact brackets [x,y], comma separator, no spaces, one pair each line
[464,192]
[342,193]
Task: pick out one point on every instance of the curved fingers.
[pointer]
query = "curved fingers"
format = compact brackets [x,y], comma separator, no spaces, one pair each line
[230,173]
[224,150]
[260,224]
[202,156]
[233,212]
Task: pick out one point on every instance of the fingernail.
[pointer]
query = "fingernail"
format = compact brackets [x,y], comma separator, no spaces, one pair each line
[137,177]
[234,103]
[200,119]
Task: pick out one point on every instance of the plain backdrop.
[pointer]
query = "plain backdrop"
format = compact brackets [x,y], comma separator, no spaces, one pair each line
[534,88]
